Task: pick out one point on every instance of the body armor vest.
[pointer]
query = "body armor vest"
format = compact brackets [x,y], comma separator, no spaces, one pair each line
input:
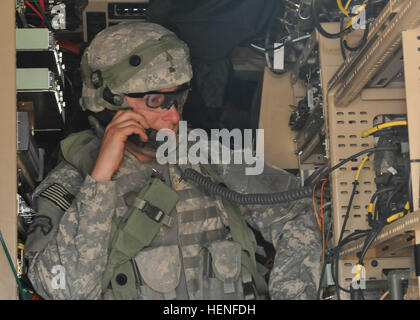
[202,258]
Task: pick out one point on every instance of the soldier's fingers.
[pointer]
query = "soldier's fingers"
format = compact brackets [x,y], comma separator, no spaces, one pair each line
[117,115]
[127,115]
[120,130]
[128,123]
[133,129]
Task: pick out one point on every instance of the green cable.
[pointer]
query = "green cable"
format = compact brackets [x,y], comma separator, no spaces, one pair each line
[13,267]
[35,2]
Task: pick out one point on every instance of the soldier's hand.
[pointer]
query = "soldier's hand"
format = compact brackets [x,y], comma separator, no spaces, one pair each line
[111,153]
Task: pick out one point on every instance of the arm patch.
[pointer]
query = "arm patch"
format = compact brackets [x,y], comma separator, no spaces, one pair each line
[59,195]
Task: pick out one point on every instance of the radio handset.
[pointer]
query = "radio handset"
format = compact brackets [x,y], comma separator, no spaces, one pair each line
[147,148]
[151,142]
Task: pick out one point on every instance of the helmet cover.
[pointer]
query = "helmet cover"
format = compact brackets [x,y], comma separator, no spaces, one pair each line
[130,58]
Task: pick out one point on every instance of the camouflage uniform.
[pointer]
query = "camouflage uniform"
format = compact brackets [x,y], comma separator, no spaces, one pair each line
[81,212]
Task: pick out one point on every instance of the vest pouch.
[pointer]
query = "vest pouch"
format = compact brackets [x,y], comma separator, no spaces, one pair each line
[124,282]
[160,271]
[221,270]
[148,211]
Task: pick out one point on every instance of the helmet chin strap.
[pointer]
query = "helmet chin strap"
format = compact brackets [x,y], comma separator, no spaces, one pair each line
[117,100]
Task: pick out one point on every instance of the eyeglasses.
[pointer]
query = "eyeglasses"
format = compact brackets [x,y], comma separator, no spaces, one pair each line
[163,100]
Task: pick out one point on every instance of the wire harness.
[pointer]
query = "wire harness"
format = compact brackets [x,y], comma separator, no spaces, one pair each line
[265,198]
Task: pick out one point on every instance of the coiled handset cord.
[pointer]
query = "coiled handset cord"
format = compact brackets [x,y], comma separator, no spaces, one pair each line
[221,190]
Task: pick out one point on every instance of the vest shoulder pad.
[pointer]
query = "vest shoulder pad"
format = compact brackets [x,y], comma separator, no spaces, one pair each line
[81,150]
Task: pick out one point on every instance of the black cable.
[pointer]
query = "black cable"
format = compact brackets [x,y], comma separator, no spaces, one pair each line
[324,266]
[378,192]
[342,49]
[397,189]
[376,214]
[370,150]
[373,233]
[275,48]
[367,244]
[343,227]
[321,30]
[410,192]
[266,40]
[371,219]
[361,43]
[327,172]
[336,253]
[265,198]
[282,40]
[314,174]
[354,236]
[369,240]
[256,198]
[318,294]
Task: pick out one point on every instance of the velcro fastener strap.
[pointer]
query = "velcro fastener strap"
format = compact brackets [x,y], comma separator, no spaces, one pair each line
[248,287]
[170,295]
[228,287]
[59,195]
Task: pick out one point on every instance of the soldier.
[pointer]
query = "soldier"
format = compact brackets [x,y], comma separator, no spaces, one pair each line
[113,223]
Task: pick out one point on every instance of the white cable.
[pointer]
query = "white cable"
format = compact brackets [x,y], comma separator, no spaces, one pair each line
[294,40]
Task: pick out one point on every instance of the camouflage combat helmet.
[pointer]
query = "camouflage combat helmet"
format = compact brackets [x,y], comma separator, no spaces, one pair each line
[133,57]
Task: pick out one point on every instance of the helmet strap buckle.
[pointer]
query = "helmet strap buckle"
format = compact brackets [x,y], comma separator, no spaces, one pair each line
[96,79]
[114,99]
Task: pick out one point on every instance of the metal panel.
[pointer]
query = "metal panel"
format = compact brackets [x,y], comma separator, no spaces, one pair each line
[411,48]
[344,127]
[390,232]
[383,42]
[8,185]
[374,271]
[34,79]
[277,96]
[393,70]
[34,39]
[411,45]
[37,48]
[101,7]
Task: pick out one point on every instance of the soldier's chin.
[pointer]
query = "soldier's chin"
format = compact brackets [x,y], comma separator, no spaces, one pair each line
[143,154]
[148,152]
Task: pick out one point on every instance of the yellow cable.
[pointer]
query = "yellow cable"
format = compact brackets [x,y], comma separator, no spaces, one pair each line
[358,271]
[343,9]
[347,5]
[383,126]
[363,6]
[362,164]
[399,214]
[395,217]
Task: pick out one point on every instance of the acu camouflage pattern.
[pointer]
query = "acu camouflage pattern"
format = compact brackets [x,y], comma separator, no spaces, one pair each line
[291,227]
[115,43]
[80,242]
[74,242]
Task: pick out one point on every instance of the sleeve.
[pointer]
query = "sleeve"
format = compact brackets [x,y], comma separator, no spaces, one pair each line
[71,263]
[291,227]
